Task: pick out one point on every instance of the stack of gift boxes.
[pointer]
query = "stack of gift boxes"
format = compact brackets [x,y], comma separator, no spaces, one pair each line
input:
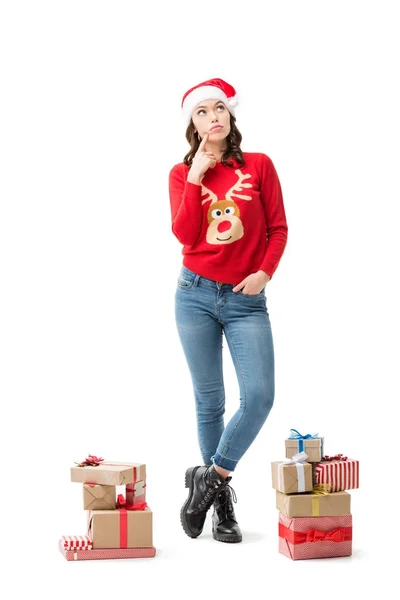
[315,519]
[117,526]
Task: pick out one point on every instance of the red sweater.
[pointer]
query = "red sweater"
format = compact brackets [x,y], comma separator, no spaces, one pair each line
[234,223]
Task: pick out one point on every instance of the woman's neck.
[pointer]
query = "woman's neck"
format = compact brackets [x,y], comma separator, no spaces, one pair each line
[217,149]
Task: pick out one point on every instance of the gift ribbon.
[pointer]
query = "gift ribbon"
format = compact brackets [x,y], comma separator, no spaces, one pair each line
[298,460]
[336,457]
[319,489]
[123,508]
[295,435]
[341,534]
[90,461]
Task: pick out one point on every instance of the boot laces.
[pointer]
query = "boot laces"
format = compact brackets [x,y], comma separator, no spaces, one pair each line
[210,495]
[225,497]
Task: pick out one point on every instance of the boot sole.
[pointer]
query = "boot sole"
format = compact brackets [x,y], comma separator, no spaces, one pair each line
[229,539]
[189,477]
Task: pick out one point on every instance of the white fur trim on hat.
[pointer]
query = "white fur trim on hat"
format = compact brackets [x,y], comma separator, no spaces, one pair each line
[205,92]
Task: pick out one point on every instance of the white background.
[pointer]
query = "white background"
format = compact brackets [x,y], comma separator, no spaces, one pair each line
[90,357]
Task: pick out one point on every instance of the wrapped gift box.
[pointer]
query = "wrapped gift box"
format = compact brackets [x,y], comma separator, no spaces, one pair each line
[292,478]
[76,542]
[120,528]
[79,554]
[99,497]
[109,473]
[313,447]
[313,505]
[340,474]
[315,537]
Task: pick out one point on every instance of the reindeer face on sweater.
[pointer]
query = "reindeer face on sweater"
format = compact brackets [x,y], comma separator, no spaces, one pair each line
[224,223]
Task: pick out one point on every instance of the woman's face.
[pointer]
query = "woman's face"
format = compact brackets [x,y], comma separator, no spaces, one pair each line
[212,117]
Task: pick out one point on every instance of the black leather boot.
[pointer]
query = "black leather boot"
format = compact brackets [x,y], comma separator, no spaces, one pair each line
[204,483]
[225,528]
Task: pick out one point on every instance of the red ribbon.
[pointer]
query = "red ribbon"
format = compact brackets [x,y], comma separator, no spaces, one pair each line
[123,508]
[122,503]
[90,461]
[336,457]
[342,534]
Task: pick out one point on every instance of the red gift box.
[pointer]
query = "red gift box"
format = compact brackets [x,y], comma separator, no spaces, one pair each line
[103,553]
[315,537]
[342,474]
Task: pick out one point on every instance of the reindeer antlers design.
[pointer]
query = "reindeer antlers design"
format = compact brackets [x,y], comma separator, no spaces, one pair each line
[238,187]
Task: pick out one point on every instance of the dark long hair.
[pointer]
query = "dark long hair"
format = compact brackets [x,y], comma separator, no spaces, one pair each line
[233,150]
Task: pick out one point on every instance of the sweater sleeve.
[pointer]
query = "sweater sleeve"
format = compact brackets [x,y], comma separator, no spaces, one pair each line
[186,207]
[277,229]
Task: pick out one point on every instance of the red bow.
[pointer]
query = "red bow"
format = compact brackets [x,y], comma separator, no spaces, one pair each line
[121,503]
[335,535]
[90,461]
[336,457]
[342,534]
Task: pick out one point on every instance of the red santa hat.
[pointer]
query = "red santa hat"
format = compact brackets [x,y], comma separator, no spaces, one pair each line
[211,89]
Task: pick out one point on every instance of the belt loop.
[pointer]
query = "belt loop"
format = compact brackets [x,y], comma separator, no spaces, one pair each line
[196,280]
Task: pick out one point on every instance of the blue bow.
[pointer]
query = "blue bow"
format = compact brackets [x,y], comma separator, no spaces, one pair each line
[295,435]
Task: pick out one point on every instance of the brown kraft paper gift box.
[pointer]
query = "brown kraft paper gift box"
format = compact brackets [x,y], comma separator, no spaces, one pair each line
[285,477]
[121,528]
[99,497]
[313,505]
[109,473]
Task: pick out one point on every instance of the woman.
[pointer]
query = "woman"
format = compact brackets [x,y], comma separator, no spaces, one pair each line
[227,211]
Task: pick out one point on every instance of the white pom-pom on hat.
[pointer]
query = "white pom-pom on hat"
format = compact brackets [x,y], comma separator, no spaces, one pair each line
[211,89]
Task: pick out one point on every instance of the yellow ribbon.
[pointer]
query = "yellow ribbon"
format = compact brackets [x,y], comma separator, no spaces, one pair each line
[319,489]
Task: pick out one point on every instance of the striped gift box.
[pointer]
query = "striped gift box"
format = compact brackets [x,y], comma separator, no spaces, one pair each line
[73,542]
[341,474]
[106,553]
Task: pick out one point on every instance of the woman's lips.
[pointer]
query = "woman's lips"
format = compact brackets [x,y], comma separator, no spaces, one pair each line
[216,128]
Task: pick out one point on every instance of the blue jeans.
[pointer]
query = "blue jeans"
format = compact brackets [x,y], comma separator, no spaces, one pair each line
[204,311]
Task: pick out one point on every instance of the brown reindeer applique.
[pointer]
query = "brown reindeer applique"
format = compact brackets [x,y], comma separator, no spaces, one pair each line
[224,222]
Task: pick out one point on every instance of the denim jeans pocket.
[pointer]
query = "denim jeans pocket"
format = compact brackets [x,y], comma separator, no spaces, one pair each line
[184,282]
[259,295]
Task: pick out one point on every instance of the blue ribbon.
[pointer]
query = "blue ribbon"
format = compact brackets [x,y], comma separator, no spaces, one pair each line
[295,435]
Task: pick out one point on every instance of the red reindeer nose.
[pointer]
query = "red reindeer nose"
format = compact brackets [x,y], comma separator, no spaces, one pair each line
[224,226]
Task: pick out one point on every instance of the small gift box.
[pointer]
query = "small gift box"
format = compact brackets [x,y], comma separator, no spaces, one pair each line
[311,443]
[104,553]
[107,472]
[76,542]
[292,475]
[315,537]
[319,503]
[99,497]
[340,472]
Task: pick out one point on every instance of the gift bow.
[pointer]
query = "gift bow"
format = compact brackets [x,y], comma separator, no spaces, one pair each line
[300,457]
[90,461]
[122,503]
[321,489]
[335,535]
[336,457]
[295,435]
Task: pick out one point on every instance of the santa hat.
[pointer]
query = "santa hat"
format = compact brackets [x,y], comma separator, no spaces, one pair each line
[211,89]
